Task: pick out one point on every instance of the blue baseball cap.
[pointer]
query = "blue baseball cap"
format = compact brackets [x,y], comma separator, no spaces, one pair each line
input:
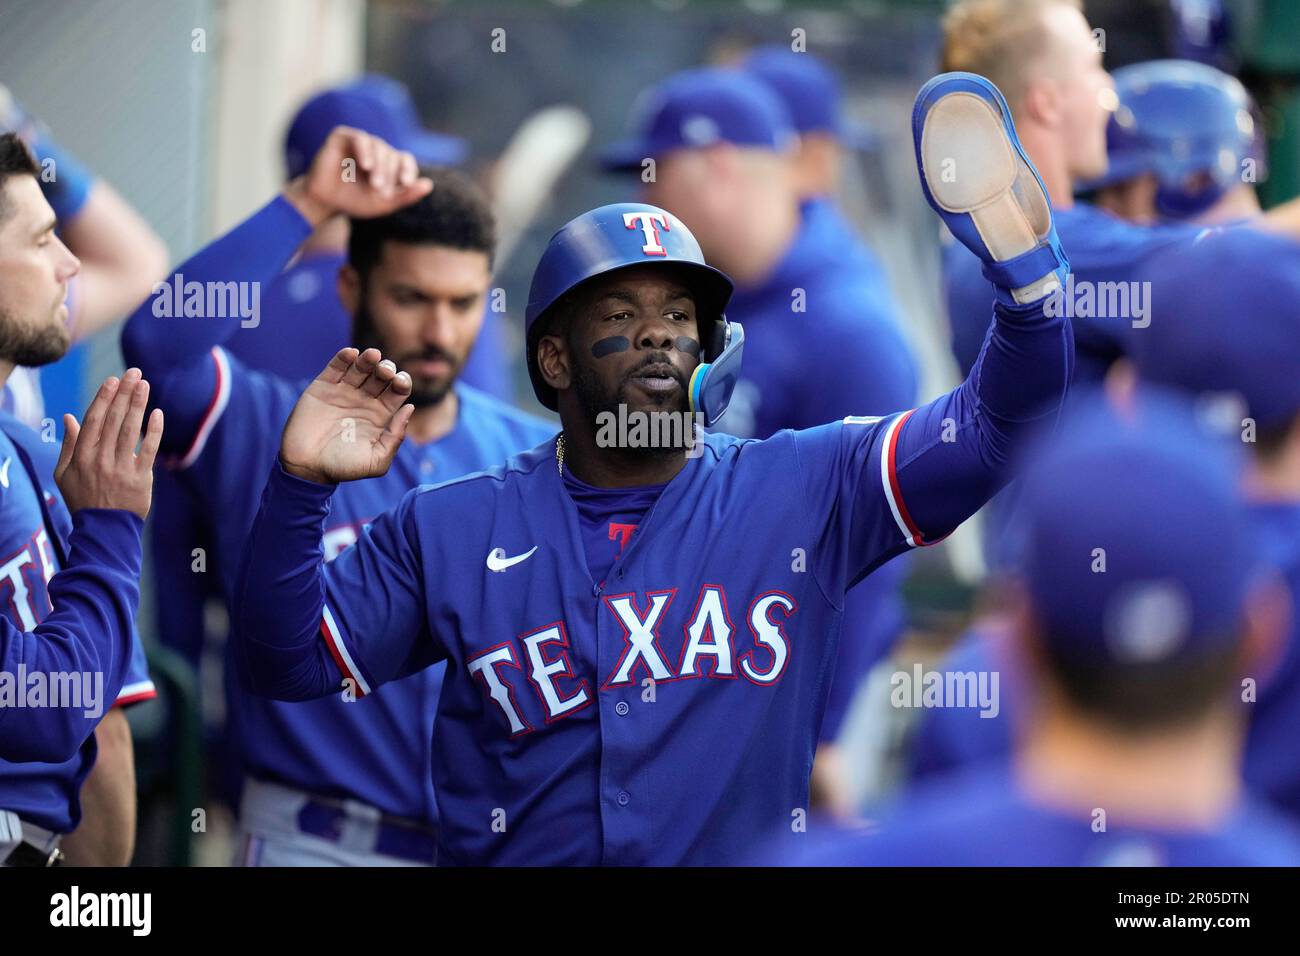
[1225,321]
[376,104]
[1137,544]
[810,91]
[697,108]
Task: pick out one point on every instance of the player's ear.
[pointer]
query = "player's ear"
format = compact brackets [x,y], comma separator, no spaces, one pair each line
[1040,103]
[554,361]
[349,287]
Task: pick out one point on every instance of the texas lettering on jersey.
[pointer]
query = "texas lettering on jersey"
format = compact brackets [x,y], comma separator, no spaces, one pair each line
[707,648]
[24,577]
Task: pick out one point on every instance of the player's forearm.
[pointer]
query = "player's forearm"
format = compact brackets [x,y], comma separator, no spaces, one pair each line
[954,453]
[279,598]
[222,283]
[87,632]
[106,834]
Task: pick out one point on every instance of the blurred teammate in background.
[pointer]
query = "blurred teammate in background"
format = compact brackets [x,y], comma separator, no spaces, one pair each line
[1182,144]
[813,99]
[121,256]
[304,322]
[824,334]
[1131,750]
[336,781]
[1246,366]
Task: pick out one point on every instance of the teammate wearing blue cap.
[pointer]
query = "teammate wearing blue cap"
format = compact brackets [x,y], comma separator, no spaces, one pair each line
[1130,753]
[302,321]
[732,164]
[121,256]
[651,696]
[335,782]
[63,788]
[305,318]
[1182,143]
[1246,366]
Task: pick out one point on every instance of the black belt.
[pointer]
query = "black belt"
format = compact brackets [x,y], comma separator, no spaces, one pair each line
[27,855]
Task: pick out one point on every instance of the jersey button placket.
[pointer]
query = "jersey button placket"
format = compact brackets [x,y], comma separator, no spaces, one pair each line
[620,745]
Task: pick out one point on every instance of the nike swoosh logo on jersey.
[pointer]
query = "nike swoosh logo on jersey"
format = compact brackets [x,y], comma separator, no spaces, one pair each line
[4,472]
[497,560]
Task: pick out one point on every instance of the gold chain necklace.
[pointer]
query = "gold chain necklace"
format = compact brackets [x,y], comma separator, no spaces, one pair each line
[559,452]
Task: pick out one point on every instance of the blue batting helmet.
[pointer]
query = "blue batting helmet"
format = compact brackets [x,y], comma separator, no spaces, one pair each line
[633,234]
[1190,125]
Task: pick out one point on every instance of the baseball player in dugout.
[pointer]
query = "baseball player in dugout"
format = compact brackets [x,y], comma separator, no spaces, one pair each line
[339,781]
[651,693]
[71,532]
[757,197]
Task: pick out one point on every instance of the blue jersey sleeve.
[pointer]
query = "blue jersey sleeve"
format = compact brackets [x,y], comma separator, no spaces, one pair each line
[89,630]
[878,487]
[137,685]
[172,335]
[302,627]
[238,436]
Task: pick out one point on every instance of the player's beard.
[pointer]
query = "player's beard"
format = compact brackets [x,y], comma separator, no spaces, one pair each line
[597,399]
[424,391]
[24,345]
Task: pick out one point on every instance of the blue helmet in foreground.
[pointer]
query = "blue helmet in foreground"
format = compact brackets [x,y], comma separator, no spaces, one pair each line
[1190,125]
[632,234]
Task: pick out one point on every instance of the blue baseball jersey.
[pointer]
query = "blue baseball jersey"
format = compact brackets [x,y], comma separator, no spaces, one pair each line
[1102,248]
[224,422]
[304,324]
[670,715]
[824,340]
[42,793]
[984,818]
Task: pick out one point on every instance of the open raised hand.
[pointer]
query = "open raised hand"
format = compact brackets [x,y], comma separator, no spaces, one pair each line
[351,420]
[98,465]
